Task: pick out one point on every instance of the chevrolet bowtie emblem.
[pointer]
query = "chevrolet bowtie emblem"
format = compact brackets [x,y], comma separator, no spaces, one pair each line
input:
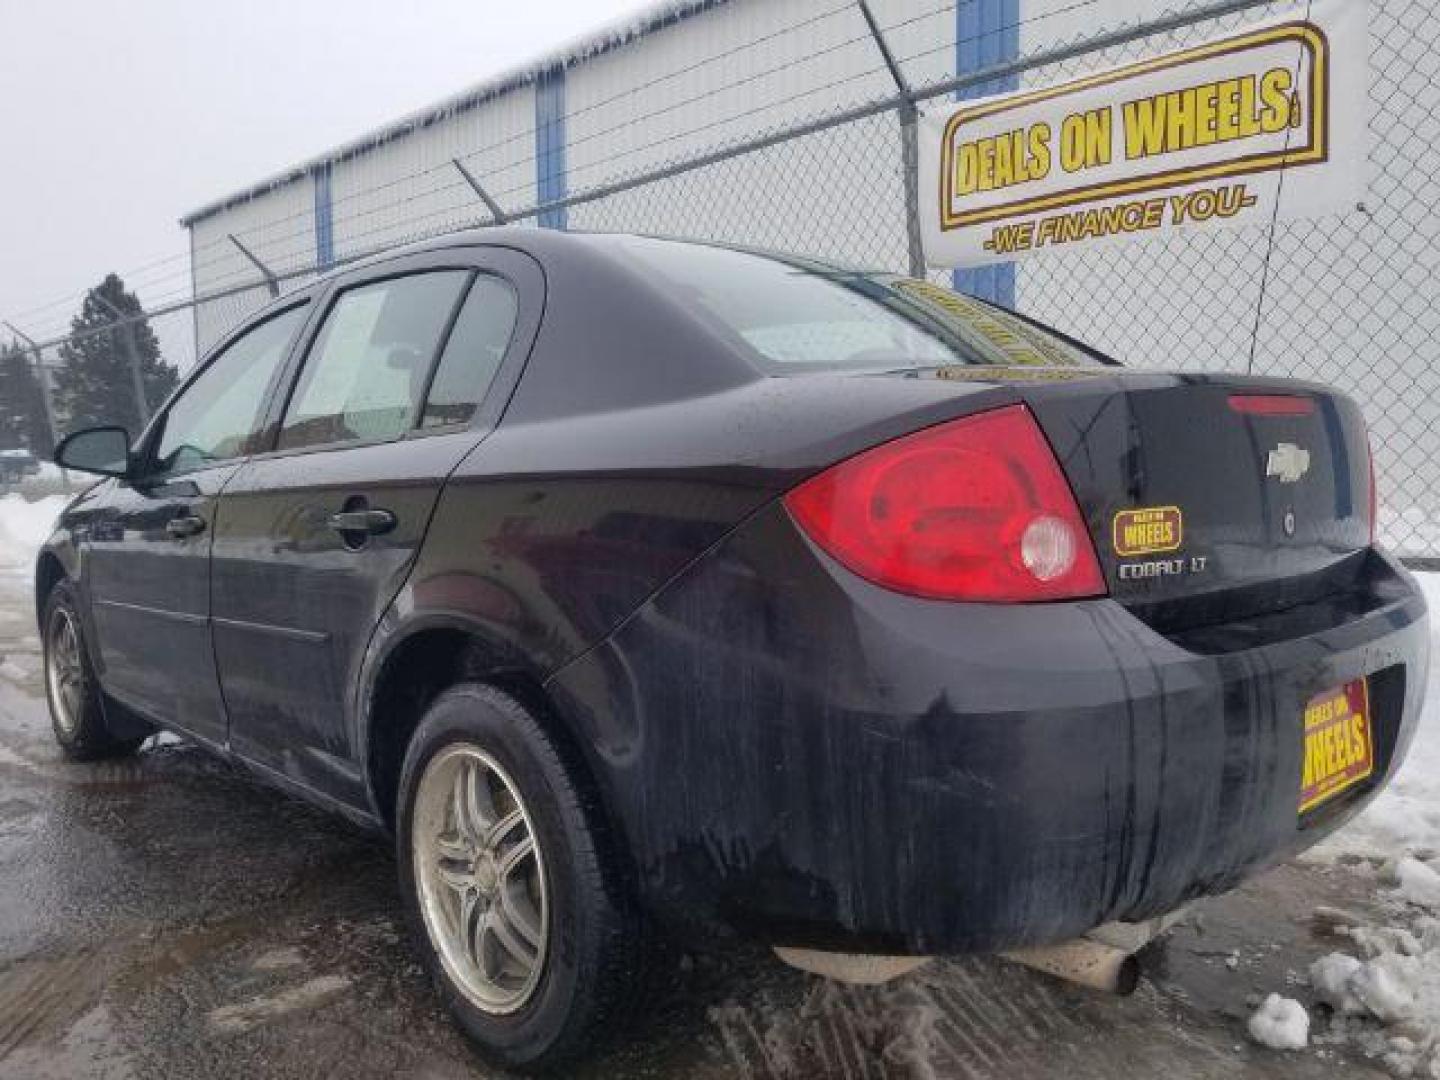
[1287,463]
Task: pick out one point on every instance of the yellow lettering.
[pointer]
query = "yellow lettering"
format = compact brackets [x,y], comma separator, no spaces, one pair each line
[1144,127]
[1085,140]
[1247,124]
[1227,110]
[1205,133]
[1039,151]
[1275,99]
[1219,111]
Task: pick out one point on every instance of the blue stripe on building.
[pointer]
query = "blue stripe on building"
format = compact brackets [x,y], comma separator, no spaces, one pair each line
[324,219]
[550,181]
[987,32]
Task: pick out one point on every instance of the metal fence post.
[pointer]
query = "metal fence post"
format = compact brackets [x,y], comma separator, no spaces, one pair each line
[496,211]
[42,376]
[271,281]
[909,144]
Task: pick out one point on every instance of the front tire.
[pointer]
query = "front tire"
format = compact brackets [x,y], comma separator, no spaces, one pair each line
[518,905]
[77,710]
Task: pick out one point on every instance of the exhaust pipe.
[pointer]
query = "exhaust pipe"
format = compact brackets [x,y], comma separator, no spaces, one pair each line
[857,968]
[1103,959]
[1086,962]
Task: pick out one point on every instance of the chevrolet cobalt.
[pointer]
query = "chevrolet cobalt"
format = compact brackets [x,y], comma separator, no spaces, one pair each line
[645,589]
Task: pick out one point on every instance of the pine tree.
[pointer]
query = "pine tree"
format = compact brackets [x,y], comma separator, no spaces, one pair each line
[95,383]
[22,408]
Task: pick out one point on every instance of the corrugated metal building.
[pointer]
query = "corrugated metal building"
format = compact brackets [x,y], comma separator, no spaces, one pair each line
[688,77]
[1349,299]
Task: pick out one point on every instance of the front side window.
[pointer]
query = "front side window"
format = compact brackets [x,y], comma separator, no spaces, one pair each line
[473,354]
[218,416]
[366,371]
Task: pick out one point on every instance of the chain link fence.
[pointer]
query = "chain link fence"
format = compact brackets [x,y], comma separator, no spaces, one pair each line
[750,145]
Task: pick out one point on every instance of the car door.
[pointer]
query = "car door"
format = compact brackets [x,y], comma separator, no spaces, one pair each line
[148,551]
[399,381]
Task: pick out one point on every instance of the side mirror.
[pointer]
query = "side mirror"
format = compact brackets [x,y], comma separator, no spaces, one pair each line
[103,450]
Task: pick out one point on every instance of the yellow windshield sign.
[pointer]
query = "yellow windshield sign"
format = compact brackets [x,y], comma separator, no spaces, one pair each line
[993,335]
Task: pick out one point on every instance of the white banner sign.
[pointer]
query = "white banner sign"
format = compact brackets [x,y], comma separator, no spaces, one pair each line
[1208,136]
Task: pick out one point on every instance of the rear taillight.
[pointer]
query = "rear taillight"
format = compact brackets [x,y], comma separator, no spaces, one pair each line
[975,509]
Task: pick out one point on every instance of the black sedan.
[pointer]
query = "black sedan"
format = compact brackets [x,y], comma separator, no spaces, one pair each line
[649,589]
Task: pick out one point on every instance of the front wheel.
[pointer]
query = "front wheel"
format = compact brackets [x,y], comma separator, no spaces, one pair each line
[521,912]
[77,710]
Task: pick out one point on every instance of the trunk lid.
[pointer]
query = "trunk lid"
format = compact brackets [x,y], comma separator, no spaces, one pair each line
[1250,493]
[1202,511]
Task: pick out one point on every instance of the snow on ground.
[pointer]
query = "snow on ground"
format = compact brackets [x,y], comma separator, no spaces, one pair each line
[1281,1023]
[1381,993]
[1406,817]
[24,525]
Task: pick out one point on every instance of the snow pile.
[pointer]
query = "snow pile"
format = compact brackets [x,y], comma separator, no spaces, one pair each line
[1386,987]
[1386,1000]
[1416,882]
[24,526]
[1383,994]
[1405,818]
[1281,1023]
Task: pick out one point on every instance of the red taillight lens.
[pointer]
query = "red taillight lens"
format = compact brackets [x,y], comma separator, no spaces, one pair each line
[1272,404]
[976,509]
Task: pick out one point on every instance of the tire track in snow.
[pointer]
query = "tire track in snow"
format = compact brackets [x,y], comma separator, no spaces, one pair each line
[965,1018]
[42,997]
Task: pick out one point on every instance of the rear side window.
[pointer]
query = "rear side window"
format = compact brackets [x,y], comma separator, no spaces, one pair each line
[217,417]
[366,371]
[473,354]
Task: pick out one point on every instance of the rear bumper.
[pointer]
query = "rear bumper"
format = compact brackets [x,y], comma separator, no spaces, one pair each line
[813,761]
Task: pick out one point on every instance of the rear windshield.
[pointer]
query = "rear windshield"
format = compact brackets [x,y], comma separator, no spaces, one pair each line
[792,316]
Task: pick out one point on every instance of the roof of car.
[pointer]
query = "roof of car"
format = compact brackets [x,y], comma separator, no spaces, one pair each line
[546,244]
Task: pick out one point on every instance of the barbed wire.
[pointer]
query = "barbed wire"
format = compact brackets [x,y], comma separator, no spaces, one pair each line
[300,241]
[253,237]
[1350,297]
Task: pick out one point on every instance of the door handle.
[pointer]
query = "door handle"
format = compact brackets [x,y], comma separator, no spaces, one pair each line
[185,526]
[362,522]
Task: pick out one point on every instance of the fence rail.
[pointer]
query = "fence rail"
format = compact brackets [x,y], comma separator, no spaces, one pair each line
[1349,299]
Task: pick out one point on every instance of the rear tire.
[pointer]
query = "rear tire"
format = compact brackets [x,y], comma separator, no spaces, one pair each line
[536,950]
[77,709]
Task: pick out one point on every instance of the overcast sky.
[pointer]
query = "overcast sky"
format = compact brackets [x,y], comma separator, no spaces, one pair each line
[116,118]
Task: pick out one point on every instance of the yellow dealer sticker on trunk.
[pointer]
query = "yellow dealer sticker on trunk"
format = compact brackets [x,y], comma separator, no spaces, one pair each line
[1339,750]
[1148,531]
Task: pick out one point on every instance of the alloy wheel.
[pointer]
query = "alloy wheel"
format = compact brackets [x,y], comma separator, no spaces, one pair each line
[64,672]
[480,876]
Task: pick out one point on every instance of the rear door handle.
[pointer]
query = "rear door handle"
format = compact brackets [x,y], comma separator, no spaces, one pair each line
[362,522]
[182,527]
